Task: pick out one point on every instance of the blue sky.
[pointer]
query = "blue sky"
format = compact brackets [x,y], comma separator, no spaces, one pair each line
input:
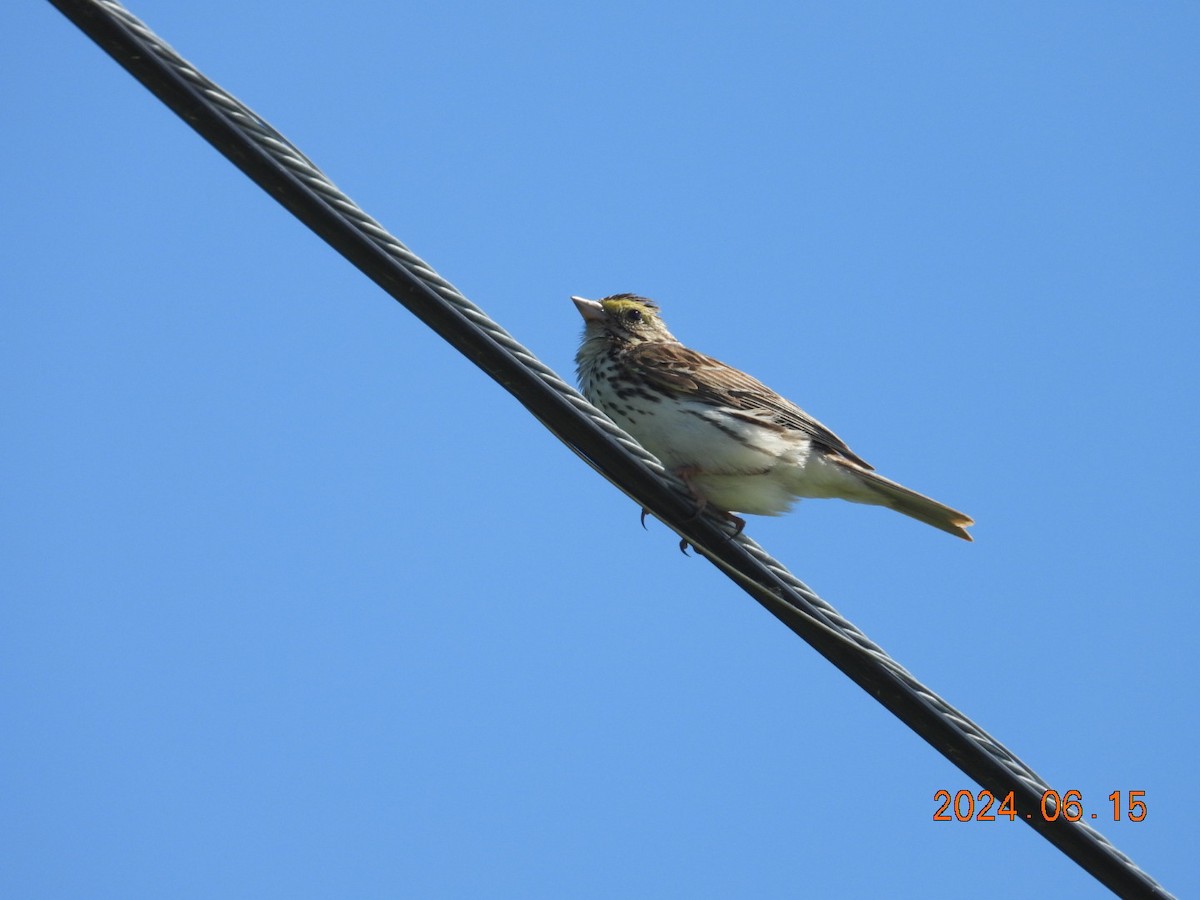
[299,603]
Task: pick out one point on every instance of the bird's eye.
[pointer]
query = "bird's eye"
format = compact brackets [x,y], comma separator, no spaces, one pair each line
[634,315]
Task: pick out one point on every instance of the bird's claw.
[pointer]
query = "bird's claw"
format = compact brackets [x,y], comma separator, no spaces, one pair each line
[684,474]
[739,525]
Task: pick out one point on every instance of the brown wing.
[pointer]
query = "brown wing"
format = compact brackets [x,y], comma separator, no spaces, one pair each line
[677,370]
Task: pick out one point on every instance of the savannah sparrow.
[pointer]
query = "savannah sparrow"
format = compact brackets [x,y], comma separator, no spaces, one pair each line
[734,442]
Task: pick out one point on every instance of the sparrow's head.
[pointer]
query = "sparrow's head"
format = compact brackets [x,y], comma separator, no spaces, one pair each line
[625,318]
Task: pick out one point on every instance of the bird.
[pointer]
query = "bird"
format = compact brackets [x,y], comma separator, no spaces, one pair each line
[738,446]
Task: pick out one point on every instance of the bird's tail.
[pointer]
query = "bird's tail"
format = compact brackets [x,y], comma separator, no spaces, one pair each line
[898,497]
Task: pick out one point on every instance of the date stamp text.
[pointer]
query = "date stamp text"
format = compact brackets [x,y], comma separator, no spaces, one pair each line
[984,806]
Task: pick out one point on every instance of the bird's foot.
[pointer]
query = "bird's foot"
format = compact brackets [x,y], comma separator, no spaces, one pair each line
[738,523]
[685,474]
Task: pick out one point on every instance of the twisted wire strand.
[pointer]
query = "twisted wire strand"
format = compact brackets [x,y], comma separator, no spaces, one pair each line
[951,732]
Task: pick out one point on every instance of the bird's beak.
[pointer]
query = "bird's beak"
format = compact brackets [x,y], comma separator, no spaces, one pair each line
[591,310]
